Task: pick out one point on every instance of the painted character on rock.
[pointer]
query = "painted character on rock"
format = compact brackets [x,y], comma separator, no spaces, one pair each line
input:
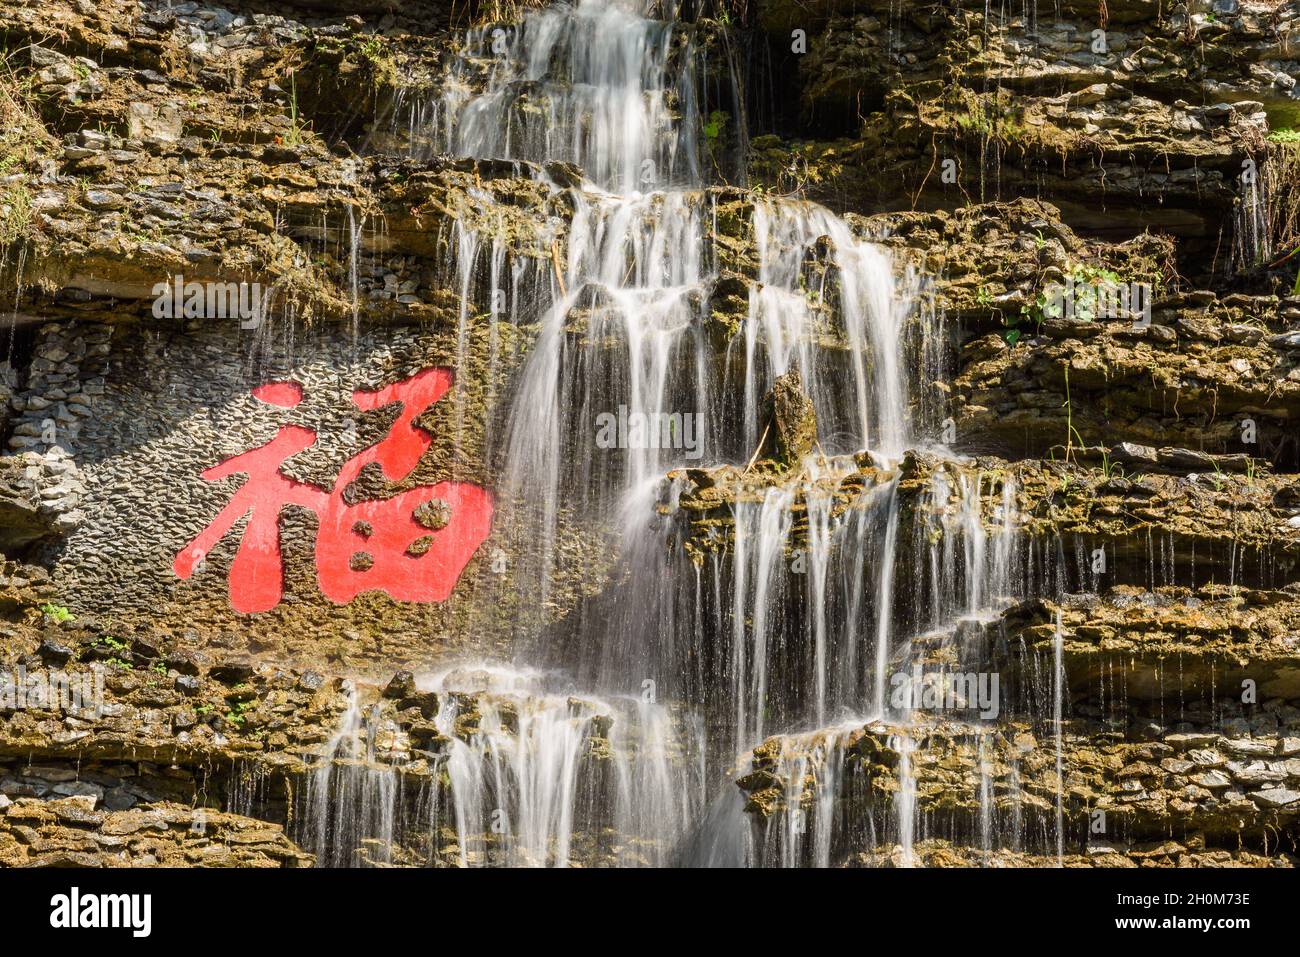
[413,546]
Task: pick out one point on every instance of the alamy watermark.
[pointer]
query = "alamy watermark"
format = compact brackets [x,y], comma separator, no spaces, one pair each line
[175,298]
[920,690]
[80,692]
[73,910]
[651,430]
[1098,299]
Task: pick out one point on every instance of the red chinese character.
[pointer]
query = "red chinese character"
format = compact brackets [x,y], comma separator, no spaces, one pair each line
[412,546]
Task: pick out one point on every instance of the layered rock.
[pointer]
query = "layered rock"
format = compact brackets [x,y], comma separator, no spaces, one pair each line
[977,786]
[1100,110]
[1127,484]
[70,832]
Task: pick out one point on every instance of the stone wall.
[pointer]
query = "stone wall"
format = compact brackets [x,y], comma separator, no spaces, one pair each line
[135,423]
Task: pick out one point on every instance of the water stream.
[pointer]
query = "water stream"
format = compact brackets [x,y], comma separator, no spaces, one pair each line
[796,627]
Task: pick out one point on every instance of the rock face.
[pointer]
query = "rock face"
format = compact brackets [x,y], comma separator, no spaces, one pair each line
[1131,109]
[69,832]
[286,293]
[1136,794]
[789,422]
[38,498]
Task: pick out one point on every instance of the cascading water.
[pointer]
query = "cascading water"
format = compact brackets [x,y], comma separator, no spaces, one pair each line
[594,84]
[1058,704]
[608,88]
[799,623]
[355,805]
[781,317]
[525,771]
[529,768]
[516,776]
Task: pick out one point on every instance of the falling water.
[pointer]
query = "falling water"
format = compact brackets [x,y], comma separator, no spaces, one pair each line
[986,799]
[608,88]
[885,599]
[789,625]
[906,802]
[531,768]
[353,802]
[786,319]
[773,525]
[1058,699]
[1252,237]
[592,84]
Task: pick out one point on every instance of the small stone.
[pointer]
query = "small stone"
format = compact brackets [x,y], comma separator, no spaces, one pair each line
[188,685]
[1275,797]
[1250,746]
[183,662]
[1213,780]
[119,799]
[402,685]
[1133,454]
[53,653]
[102,200]
[1254,774]
[232,672]
[147,647]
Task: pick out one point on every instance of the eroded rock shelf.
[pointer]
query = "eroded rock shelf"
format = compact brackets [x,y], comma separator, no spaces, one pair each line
[905,566]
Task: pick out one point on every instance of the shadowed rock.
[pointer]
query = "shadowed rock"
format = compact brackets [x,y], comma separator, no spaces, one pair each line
[789,421]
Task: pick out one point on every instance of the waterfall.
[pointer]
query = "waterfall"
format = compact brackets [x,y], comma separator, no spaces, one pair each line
[818,503]
[518,783]
[608,88]
[906,802]
[961,568]
[885,599]
[1058,701]
[773,525]
[806,822]
[593,84]
[794,627]
[986,800]
[1252,215]
[354,804]
[781,316]
[532,768]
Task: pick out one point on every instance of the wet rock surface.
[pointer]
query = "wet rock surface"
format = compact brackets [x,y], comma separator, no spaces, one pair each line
[71,832]
[1178,798]
[1129,481]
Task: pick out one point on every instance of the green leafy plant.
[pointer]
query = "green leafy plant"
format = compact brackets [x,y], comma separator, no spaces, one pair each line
[58,613]
[373,49]
[716,126]
[1086,302]
[238,713]
[22,139]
